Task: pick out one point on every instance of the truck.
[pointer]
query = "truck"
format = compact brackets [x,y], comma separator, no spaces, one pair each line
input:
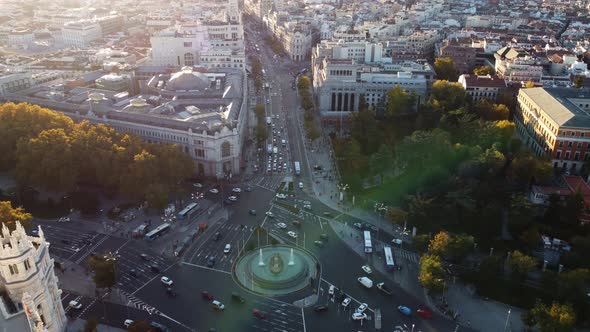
[382,287]
[368,283]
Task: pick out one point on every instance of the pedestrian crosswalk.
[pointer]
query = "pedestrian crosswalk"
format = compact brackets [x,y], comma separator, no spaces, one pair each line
[409,256]
[271,182]
[133,301]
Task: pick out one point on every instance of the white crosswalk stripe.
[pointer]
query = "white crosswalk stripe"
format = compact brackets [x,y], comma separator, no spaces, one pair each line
[139,304]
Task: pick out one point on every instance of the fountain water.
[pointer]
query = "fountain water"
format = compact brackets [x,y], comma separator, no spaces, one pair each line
[291,261]
[260,262]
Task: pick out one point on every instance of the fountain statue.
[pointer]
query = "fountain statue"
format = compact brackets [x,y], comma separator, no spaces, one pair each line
[276,264]
[260,262]
[291,261]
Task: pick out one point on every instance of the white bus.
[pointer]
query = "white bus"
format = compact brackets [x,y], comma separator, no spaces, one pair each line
[297,168]
[389,262]
[368,244]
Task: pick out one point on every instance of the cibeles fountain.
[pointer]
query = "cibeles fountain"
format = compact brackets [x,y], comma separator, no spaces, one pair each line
[276,270]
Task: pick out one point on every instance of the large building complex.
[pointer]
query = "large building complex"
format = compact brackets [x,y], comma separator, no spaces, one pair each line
[555,122]
[29,297]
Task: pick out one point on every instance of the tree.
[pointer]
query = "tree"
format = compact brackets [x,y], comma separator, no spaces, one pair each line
[303,83]
[363,128]
[381,161]
[461,245]
[446,96]
[529,84]
[490,111]
[531,237]
[432,273]
[445,69]
[104,271]
[572,285]
[9,216]
[261,132]
[141,326]
[91,325]
[397,215]
[520,215]
[483,70]
[579,82]
[554,318]
[421,242]
[521,264]
[260,112]
[439,245]
[399,101]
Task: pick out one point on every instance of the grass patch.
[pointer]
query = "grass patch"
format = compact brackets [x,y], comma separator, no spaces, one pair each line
[288,207]
[290,186]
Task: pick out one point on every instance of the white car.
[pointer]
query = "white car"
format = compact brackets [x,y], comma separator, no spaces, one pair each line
[307,207]
[270,214]
[214,191]
[281,196]
[361,309]
[75,304]
[367,269]
[233,198]
[282,225]
[331,290]
[75,249]
[237,190]
[218,305]
[346,302]
[227,248]
[167,281]
[196,185]
[359,316]
[397,241]
[127,323]
[300,185]
[292,234]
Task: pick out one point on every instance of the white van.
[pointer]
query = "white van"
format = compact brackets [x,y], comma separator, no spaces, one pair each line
[275,150]
[366,282]
[227,249]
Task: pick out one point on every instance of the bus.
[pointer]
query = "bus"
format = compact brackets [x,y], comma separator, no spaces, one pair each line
[368,244]
[389,263]
[188,211]
[159,231]
[297,168]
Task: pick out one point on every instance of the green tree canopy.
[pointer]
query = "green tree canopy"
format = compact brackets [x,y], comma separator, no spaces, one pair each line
[487,110]
[399,101]
[553,318]
[439,245]
[483,70]
[446,96]
[10,215]
[364,130]
[104,271]
[431,273]
[445,69]
[521,263]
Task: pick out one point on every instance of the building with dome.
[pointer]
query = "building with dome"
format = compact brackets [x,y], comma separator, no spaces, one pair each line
[29,297]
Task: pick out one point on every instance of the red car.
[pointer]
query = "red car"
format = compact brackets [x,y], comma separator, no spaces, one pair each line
[424,313]
[207,296]
[258,314]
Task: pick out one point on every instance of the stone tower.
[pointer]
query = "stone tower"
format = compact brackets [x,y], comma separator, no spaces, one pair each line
[233,11]
[27,277]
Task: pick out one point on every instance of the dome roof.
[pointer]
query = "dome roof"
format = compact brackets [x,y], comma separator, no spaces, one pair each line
[187,79]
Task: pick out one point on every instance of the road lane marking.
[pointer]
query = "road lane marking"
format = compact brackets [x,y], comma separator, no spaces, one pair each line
[206,268]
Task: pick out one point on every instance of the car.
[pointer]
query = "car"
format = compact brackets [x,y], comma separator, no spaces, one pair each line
[238,298]
[75,304]
[367,269]
[171,292]
[346,302]
[75,249]
[127,323]
[281,196]
[217,305]
[374,228]
[248,189]
[306,203]
[211,261]
[269,214]
[197,185]
[159,326]
[319,243]
[144,257]
[320,308]
[227,248]
[396,241]
[296,223]
[252,212]
[65,241]
[327,214]
[324,237]
[292,234]
[64,219]
[133,273]
[282,225]
[358,316]
[206,296]
[424,313]
[216,236]
[357,225]
[300,185]
[214,191]
[258,314]
[404,310]
[155,268]
[331,290]
[233,198]
[362,308]
[167,281]
[307,207]
[237,190]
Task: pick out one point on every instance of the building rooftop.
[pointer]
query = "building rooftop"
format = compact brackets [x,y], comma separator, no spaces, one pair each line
[562,105]
[487,81]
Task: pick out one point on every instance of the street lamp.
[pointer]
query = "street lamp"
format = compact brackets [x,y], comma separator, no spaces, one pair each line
[342,188]
[507,320]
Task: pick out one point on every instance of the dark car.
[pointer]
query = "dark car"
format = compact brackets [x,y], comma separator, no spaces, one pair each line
[206,296]
[171,292]
[211,261]
[252,212]
[248,189]
[324,237]
[145,257]
[217,236]
[258,314]
[162,327]
[237,297]
[133,273]
[65,241]
[320,308]
[154,269]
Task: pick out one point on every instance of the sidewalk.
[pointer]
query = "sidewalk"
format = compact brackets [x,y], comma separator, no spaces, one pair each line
[78,325]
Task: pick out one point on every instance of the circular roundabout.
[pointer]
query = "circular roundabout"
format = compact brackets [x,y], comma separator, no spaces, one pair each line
[276,270]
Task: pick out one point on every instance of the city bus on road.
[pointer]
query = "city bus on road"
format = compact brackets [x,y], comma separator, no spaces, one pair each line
[159,231]
[368,243]
[188,211]
[389,263]
[297,168]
